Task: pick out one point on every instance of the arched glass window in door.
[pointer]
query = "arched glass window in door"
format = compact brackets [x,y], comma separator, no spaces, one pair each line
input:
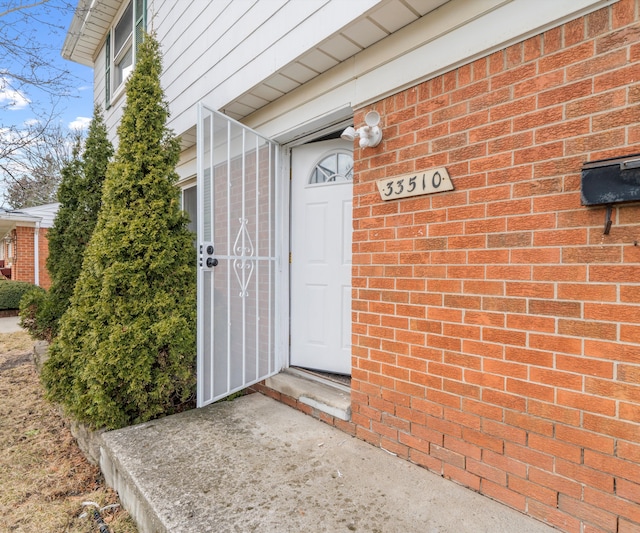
[336,167]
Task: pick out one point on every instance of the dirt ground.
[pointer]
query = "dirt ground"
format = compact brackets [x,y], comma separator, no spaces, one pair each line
[45,480]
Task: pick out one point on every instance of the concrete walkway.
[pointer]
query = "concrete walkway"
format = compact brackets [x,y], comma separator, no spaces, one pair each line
[10,324]
[255,464]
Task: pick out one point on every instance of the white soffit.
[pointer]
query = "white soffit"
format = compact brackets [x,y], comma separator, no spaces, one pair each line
[340,48]
[364,33]
[91,20]
[456,33]
[356,35]
[319,59]
[394,16]
[299,72]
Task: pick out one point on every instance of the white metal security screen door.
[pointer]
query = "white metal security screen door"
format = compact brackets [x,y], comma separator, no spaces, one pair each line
[236,256]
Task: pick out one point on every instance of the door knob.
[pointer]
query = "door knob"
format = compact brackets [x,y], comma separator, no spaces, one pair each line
[212,262]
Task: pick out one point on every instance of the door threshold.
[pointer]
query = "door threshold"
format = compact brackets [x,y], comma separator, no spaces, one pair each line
[322,394]
[340,381]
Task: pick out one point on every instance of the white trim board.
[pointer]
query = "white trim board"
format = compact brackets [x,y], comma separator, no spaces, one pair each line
[452,35]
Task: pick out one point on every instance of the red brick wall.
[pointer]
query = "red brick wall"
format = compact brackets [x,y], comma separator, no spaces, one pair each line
[23,267]
[43,253]
[496,330]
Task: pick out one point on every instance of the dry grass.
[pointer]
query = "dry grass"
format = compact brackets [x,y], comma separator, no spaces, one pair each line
[44,477]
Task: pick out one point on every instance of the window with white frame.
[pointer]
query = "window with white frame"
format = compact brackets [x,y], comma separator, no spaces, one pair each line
[190,206]
[121,44]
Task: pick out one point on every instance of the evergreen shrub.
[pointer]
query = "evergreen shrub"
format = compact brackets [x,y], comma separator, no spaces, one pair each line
[11,293]
[126,348]
[33,313]
[80,197]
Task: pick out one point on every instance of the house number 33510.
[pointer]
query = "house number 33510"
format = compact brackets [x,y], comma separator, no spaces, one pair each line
[425,182]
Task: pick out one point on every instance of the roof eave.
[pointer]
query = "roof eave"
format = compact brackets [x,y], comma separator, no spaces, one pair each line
[75,33]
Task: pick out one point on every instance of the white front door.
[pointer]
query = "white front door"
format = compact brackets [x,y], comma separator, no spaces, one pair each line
[321,228]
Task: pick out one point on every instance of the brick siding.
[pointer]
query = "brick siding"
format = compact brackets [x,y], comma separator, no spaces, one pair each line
[43,253]
[23,267]
[496,329]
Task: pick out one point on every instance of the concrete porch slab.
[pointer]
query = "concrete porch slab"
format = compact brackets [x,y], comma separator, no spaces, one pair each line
[255,464]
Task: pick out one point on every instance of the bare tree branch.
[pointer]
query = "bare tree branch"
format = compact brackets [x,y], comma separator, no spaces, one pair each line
[33,77]
[34,172]
[20,6]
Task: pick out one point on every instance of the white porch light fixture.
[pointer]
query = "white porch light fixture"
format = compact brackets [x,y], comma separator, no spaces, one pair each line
[370,135]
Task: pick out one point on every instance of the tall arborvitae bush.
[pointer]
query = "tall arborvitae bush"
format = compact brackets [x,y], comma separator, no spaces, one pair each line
[80,201]
[126,348]
[79,194]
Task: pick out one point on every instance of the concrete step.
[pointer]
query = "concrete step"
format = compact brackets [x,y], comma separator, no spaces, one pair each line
[330,398]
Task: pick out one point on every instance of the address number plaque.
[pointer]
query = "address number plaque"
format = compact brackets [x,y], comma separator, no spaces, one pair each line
[415,184]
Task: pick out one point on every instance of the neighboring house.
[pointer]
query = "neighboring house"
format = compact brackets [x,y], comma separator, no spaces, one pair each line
[492,331]
[24,247]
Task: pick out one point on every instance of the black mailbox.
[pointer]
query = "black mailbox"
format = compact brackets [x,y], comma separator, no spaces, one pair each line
[611,181]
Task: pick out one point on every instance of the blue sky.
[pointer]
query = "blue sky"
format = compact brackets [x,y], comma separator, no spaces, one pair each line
[47,24]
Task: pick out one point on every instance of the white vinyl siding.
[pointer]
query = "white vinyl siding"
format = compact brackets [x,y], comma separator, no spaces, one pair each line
[229,46]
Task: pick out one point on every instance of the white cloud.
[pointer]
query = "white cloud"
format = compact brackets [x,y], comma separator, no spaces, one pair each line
[5,135]
[10,98]
[80,123]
